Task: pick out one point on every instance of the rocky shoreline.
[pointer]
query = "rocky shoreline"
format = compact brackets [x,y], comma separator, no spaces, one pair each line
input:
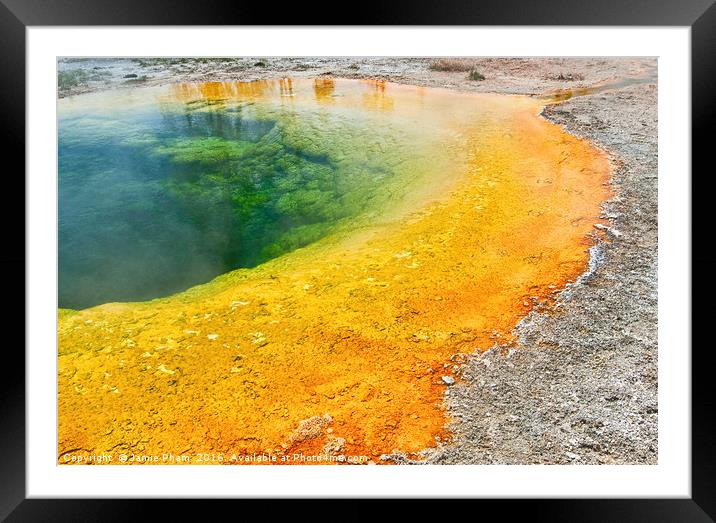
[580,386]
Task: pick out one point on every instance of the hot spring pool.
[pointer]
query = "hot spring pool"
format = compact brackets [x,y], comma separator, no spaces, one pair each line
[164,188]
[379,232]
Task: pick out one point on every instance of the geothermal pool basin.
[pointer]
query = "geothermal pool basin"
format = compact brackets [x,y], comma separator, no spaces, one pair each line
[299,266]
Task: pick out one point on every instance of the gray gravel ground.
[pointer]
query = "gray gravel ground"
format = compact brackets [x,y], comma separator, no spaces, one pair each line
[502,75]
[580,386]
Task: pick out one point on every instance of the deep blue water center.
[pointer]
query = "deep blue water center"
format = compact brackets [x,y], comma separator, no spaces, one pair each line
[155,200]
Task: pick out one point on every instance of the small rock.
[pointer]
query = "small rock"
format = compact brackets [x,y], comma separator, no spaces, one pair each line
[310,428]
[235,304]
[212,337]
[448,380]
[334,445]
[164,369]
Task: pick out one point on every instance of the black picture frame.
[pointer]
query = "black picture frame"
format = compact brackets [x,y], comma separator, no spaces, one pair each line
[16,15]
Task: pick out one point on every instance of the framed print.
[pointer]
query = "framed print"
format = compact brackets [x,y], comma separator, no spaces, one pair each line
[424,257]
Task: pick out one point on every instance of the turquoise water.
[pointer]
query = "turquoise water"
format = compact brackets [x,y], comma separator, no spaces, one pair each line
[160,190]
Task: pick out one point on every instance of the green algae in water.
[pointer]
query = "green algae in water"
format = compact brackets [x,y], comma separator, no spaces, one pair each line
[157,194]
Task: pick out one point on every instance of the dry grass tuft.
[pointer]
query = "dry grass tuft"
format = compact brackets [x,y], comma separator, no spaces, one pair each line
[567,77]
[453,65]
